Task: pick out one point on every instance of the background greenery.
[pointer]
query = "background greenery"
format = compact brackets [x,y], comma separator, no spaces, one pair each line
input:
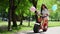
[25,5]
[23,9]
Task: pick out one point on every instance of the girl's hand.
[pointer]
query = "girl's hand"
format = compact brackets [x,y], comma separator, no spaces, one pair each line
[46,14]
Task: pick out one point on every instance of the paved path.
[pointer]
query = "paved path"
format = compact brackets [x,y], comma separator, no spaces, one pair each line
[52,30]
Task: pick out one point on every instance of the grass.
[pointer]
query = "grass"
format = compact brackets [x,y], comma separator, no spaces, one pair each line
[24,27]
[54,24]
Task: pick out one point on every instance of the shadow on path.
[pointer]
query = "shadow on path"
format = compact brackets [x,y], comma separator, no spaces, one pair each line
[35,33]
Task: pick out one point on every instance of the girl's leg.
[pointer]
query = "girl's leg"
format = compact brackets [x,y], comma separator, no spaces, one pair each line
[45,23]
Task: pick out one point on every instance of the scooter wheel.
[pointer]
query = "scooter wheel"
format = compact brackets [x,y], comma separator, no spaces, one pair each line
[44,30]
[36,28]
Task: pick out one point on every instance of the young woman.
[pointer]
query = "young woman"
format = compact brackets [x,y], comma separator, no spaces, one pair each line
[44,17]
[41,19]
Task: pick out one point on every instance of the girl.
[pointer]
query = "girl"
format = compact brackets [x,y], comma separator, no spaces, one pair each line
[44,17]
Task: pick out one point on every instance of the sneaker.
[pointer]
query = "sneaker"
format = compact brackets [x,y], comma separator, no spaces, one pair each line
[40,30]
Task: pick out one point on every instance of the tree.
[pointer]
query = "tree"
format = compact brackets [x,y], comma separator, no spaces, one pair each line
[34,2]
[12,15]
[23,10]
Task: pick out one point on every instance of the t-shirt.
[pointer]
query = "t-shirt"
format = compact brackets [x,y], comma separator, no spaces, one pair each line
[45,11]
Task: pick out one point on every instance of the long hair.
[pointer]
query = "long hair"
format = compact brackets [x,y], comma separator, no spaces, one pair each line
[42,7]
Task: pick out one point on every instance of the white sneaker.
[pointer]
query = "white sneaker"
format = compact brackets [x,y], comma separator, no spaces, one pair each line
[40,30]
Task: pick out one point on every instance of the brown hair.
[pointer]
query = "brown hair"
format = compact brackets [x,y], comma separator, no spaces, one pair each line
[42,7]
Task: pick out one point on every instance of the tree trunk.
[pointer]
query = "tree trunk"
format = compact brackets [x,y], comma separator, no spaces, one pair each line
[9,14]
[35,5]
[14,19]
[13,11]
[14,15]
[29,18]
[9,21]
[21,19]
[29,21]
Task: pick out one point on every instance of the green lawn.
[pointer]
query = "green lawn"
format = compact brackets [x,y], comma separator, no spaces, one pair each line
[24,27]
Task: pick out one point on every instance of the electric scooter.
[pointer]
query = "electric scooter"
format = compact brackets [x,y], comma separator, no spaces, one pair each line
[37,25]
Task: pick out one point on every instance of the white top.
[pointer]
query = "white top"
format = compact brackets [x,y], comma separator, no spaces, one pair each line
[45,11]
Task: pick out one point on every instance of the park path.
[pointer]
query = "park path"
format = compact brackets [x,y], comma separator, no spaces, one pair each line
[52,30]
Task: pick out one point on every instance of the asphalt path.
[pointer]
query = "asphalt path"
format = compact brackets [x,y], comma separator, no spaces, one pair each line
[51,30]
